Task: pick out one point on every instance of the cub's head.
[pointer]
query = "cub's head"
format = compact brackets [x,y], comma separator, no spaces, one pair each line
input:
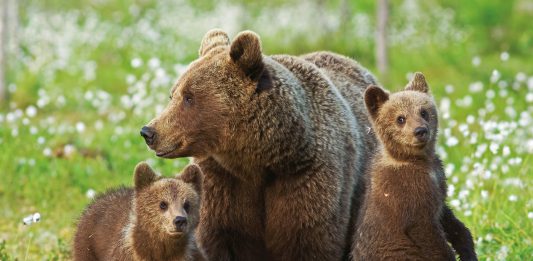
[208,97]
[167,207]
[406,122]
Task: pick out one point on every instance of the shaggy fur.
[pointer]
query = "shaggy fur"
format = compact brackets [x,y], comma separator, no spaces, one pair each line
[282,143]
[404,216]
[134,224]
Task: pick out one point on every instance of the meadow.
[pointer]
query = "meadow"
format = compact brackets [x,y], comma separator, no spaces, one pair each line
[86,75]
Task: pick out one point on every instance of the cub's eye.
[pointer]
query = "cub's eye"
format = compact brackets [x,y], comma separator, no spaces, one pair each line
[186,206]
[400,120]
[163,205]
[187,98]
[424,114]
[170,97]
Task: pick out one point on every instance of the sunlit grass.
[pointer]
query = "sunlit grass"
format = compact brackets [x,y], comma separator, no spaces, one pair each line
[85,82]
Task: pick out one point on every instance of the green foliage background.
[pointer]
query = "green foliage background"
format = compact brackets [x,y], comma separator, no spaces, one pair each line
[86,75]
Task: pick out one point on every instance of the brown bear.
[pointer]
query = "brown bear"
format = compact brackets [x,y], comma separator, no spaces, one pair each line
[404,202]
[283,145]
[153,221]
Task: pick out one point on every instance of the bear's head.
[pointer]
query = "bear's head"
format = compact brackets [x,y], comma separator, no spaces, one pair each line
[406,122]
[207,98]
[167,207]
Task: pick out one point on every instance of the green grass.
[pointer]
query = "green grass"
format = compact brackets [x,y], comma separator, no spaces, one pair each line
[74,67]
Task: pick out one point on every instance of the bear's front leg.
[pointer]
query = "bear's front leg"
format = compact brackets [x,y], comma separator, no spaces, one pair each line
[458,235]
[304,220]
[231,218]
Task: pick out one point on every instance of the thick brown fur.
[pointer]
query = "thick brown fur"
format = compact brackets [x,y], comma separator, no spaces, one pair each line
[404,215]
[282,142]
[134,224]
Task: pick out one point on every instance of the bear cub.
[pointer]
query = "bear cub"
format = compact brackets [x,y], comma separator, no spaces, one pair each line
[406,192]
[155,220]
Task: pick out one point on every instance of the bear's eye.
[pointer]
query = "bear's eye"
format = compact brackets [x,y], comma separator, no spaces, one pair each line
[400,120]
[170,97]
[424,114]
[186,206]
[187,98]
[163,205]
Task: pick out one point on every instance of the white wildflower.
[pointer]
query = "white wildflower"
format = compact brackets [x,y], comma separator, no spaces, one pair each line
[484,194]
[470,119]
[476,87]
[31,111]
[154,63]
[33,218]
[80,127]
[494,148]
[529,97]
[490,94]
[90,193]
[47,152]
[455,203]
[513,198]
[452,141]
[504,56]
[136,62]
[69,149]
[521,77]
[449,88]
[495,76]
[476,61]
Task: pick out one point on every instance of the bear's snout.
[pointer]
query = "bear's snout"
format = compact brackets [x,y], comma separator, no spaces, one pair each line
[148,134]
[180,223]
[421,133]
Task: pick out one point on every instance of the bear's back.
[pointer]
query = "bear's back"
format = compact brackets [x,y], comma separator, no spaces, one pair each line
[351,79]
[100,228]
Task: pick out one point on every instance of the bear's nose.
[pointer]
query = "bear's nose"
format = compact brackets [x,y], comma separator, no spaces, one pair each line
[148,134]
[421,132]
[180,222]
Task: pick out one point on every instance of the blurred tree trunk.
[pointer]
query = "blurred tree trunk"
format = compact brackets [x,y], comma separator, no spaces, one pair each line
[346,14]
[321,15]
[4,6]
[381,37]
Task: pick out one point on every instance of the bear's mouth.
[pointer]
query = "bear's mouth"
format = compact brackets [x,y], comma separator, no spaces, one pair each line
[175,233]
[168,153]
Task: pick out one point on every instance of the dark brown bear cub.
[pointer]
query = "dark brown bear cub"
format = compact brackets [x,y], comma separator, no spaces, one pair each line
[405,198]
[153,221]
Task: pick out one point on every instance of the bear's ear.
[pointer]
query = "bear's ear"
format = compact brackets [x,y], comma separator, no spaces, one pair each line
[213,39]
[418,83]
[193,175]
[144,175]
[374,98]
[245,51]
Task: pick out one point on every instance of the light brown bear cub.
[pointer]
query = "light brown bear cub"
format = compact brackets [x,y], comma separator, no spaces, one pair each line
[153,221]
[405,200]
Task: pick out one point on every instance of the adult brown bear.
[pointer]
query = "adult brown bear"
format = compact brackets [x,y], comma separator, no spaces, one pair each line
[282,142]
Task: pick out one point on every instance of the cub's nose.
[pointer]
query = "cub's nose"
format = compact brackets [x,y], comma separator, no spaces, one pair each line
[148,134]
[180,222]
[421,132]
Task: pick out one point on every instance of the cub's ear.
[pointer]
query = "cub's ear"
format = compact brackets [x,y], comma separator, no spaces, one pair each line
[418,83]
[374,99]
[213,39]
[193,175]
[246,52]
[144,176]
